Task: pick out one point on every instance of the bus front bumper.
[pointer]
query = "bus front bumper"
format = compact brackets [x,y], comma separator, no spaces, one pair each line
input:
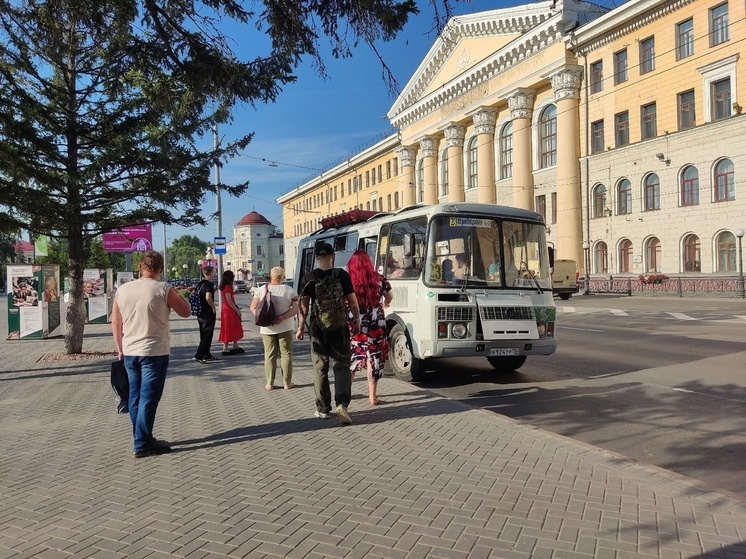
[492,348]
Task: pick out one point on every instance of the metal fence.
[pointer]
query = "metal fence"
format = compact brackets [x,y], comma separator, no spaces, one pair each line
[677,286]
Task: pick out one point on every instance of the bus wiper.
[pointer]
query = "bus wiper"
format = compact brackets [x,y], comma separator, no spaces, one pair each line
[536,282]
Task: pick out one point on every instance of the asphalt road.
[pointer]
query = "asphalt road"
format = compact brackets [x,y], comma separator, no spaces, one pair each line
[661,381]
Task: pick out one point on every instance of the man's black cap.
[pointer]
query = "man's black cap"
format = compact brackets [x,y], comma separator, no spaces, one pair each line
[324,249]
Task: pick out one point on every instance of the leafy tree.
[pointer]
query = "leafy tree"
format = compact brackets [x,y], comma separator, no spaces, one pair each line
[97,256]
[104,104]
[187,249]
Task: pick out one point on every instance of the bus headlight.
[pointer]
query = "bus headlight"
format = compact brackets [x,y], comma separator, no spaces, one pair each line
[459,331]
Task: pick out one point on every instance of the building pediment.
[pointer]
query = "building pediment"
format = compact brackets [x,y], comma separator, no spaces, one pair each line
[474,48]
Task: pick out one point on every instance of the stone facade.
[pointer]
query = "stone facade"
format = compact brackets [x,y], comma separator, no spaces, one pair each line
[256,247]
[578,113]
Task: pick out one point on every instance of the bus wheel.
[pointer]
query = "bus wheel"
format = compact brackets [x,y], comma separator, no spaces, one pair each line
[405,366]
[507,363]
[565,296]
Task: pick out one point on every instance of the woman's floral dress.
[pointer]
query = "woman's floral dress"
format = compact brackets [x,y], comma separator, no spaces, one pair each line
[372,341]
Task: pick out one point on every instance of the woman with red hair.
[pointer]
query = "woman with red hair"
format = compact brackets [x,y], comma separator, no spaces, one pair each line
[370,346]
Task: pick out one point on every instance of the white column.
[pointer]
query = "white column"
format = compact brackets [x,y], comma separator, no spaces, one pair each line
[521,104]
[406,176]
[566,86]
[429,151]
[484,125]
[455,142]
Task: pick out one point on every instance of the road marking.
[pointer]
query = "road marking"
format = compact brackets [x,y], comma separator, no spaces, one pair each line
[681,316]
[580,329]
[739,316]
[568,309]
[618,312]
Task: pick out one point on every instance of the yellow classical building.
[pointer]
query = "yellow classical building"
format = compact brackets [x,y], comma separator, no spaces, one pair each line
[621,127]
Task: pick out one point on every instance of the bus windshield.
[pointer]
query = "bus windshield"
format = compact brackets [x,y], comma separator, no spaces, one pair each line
[487,252]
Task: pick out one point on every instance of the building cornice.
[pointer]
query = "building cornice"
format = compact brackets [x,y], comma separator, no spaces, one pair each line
[624,20]
[539,26]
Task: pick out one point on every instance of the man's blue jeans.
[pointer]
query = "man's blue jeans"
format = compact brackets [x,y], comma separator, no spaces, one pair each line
[147,376]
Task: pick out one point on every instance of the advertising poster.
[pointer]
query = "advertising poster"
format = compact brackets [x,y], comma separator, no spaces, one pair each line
[95,293]
[25,314]
[51,299]
[134,238]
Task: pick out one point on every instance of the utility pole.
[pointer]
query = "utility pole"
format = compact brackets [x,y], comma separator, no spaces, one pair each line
[218,205]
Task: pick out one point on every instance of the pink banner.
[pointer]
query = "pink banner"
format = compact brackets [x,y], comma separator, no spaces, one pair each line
[135,238]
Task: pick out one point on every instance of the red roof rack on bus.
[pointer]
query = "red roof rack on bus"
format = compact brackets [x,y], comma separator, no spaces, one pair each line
[347,218]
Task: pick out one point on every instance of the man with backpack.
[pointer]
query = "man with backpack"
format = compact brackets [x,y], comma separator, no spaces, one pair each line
[325,295]
[206,315]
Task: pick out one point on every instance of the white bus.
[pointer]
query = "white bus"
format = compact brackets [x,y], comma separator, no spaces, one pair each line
[468,280]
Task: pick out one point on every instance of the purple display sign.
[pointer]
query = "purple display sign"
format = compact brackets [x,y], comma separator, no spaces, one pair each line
[135,238]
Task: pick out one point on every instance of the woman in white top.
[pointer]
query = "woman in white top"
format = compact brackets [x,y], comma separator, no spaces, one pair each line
[278,338]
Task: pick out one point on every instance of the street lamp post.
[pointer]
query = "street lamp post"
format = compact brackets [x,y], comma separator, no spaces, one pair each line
[740,291]
[586,265]
[174,271]
[186,270]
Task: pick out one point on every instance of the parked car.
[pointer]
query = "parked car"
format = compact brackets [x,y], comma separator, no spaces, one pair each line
[258,282]
[240,286]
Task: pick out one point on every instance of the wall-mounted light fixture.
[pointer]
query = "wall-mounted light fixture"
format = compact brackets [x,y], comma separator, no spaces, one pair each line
[660,156]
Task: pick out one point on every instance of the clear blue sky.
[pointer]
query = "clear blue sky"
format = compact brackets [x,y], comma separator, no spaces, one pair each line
[314,121]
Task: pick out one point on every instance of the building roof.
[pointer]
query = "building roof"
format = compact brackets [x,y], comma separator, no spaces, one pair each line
[253,218]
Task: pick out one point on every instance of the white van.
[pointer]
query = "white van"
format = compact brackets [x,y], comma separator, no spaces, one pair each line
[565,278]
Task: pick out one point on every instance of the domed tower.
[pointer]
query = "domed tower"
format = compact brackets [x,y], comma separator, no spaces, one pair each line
[257,247]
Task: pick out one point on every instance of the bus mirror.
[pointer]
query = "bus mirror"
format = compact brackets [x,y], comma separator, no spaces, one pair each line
[408,244]
[551,256]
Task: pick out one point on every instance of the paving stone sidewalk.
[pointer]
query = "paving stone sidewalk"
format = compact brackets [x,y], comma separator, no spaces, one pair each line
[255,475]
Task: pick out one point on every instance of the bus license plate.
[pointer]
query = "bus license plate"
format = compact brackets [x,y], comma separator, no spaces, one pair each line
[503,351]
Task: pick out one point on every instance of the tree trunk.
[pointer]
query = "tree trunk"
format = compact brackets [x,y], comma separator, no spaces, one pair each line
[76,314]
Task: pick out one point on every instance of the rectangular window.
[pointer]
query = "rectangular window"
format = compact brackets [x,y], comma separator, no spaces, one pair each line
[649,121]
[380,173]
[686,110]
[396,166]
[541,206]
[554,207]
[685,39]
[647,55]
[621,124]
[259,249]
[597,136]
[388,170]
[597,76]
[620,67]
[721,105]
[506,154]
[719,24]
[374,176]
[367,179]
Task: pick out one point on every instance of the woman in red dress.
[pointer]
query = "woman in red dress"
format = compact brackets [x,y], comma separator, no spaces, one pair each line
[231,329]
[370,347]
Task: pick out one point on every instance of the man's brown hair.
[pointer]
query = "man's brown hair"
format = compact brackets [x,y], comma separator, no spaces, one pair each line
[152,261]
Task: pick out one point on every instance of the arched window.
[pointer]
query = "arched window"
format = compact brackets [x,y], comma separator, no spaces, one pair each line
[374,205]
[653,255]
[624,197]
[421,181]
[599,200]
[725,184]
[652,193]
[692,254]
[388,203]
[380,204]
[367,206]
[396,200]
[471,163]
[444,172]
[690,186]
[548,137]
[726,252]
[601,258]
[625,256]
[506,151]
